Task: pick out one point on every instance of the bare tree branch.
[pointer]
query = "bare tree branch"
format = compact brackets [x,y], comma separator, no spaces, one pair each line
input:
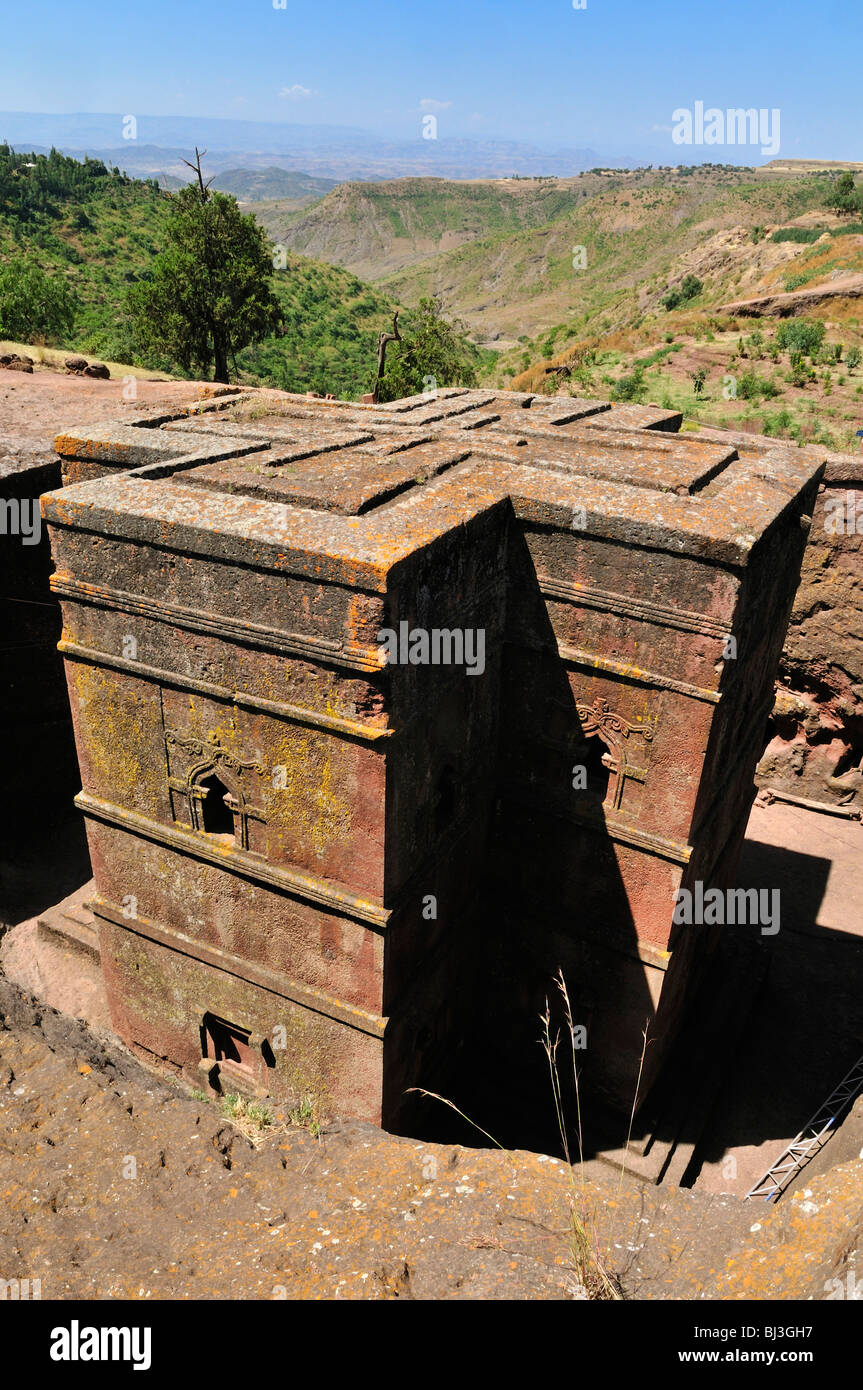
[383,340]
[196,169]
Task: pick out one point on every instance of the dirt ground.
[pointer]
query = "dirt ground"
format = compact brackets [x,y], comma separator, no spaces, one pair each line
[40,405]
[117,1184]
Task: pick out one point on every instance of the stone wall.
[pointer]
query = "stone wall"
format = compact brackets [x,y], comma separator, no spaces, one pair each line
[816,743]
[814,738]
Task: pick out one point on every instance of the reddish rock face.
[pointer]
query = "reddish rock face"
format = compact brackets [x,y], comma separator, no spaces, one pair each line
[817,748]
[386,714]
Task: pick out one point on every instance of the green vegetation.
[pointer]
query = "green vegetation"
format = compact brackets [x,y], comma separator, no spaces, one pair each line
[782,423]
[258,184]
[800,335]
[90,229]
[95,233]
[660,355]
[426,208]
[250,1117]
[521,285]
[511,271]
[752,387]
[208,294]
[34,307]
[689,288]
[432,352]
[844,196]
[34,188]
[306,1114]
[724,387]
[630,387]
[331,325]
[798,234]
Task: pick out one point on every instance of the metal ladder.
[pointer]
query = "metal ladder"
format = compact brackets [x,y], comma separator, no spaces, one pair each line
[811,1139]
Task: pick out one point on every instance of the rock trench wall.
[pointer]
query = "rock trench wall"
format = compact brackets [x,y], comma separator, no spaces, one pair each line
[815,743]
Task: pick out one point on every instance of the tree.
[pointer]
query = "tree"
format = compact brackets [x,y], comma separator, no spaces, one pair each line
[209,292]
[800,335]
[844,197]
[429,352]
[34,305]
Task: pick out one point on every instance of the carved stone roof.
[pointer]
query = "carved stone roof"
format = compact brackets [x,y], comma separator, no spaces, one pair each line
[345,491]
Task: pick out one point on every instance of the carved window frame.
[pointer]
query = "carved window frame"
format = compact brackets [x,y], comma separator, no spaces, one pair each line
[599,721]
[214,760]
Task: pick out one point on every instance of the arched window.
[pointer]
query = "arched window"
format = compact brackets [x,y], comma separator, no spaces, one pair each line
[210,790]
[217,807]
[593,756]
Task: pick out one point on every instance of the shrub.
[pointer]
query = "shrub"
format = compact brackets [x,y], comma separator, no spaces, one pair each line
[800,335]
[752,387]
[630,387]
[800,373]
[849,229]
[844,196]
[782,423]
[802,235]
[689,288]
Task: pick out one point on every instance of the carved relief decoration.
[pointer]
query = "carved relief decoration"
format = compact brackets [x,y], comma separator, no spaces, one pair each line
[191,762]
[599,721]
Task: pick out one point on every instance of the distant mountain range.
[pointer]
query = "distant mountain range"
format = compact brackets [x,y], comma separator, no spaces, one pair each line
[259,185]
[329,152]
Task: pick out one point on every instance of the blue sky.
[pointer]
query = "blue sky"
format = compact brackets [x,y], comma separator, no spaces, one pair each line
[608,76]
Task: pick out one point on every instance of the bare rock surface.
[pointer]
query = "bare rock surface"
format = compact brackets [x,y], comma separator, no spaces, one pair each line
[850,286]
[116,1183]
[41,404]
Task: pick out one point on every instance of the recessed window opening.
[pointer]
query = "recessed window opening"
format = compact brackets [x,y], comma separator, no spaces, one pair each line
[592,754]
[217,813]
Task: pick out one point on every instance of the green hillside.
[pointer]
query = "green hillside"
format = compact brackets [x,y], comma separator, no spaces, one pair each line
[574,274]
[633,232]
[500,253]
[376,228]
[332,322]
[100,230]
